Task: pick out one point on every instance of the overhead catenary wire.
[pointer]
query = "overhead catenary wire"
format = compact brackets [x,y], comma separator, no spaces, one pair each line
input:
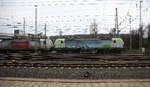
[67,3]
[54,3]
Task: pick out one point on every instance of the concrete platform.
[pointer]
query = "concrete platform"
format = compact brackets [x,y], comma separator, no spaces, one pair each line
[30,82]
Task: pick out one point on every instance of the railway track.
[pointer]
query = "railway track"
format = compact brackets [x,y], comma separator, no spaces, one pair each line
[75,65]
[56,56]
[73,60]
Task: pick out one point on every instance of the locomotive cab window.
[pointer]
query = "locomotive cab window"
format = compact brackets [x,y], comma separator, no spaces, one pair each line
[61,42]
[114,41]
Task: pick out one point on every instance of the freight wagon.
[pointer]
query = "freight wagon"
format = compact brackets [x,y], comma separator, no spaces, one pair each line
[25,45]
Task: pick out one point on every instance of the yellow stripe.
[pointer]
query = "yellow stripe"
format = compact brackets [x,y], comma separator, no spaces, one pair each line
[118,39]
[60,39]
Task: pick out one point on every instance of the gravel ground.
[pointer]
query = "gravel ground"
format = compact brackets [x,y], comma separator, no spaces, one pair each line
[77,73]
[21,82]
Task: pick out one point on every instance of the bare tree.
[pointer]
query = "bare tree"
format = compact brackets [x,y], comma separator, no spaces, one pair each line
[147,40]
[135,40]
[113,32]
[148,27]
[93,29]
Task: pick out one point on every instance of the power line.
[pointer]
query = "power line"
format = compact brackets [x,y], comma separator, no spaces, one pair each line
[48,3]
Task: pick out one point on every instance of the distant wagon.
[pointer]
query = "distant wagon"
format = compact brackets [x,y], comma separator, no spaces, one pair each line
[25,45]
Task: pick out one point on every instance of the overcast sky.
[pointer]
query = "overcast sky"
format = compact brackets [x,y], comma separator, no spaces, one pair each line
[71,16]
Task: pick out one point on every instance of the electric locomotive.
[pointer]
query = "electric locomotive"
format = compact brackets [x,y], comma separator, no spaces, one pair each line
[115,45]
